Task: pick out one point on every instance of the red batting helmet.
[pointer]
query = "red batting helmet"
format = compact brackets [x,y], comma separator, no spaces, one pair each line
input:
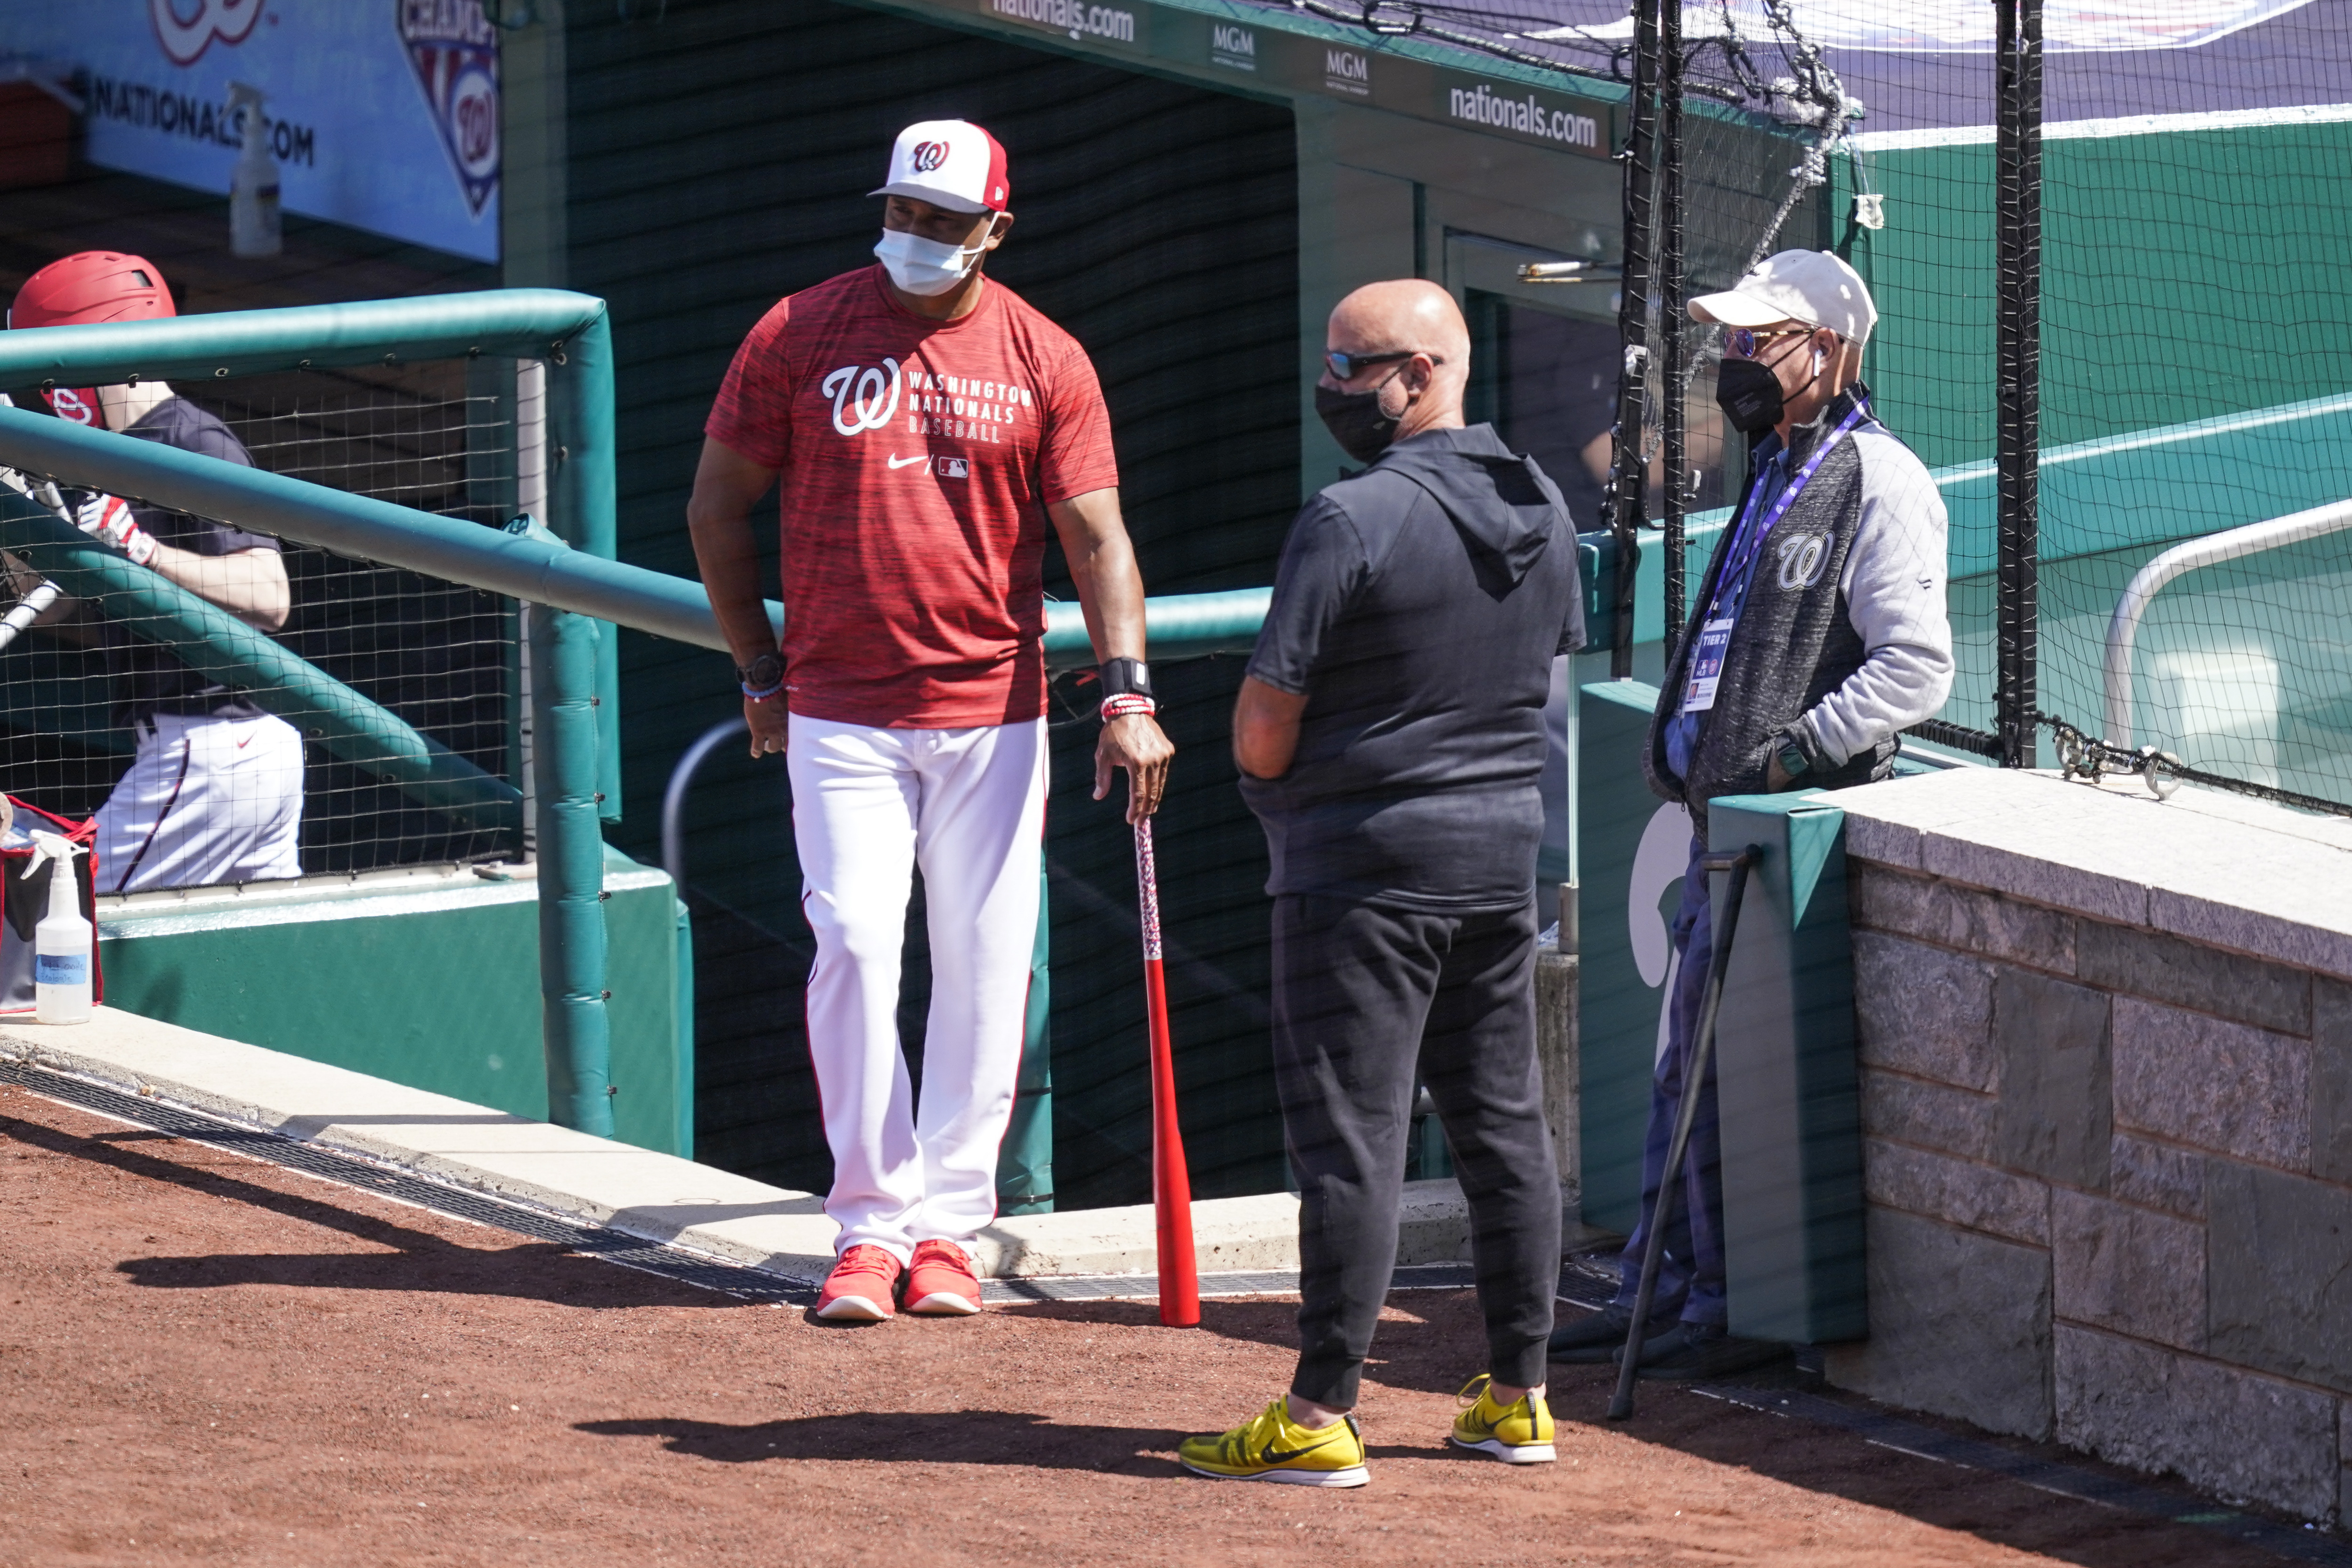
[92,285]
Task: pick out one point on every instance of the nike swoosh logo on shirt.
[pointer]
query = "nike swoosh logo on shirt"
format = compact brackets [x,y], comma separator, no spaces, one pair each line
[898,462]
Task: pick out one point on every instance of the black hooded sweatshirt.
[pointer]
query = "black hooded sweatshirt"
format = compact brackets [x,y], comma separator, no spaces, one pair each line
[1418,607]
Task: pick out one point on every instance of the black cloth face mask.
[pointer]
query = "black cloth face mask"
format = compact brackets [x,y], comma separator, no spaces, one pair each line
[1356,422]
[1749,396]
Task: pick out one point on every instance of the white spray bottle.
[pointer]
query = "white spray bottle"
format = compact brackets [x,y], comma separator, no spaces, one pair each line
[253,227]
[61,942]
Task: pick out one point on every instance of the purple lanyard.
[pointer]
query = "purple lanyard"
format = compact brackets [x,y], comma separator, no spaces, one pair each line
[1752,539]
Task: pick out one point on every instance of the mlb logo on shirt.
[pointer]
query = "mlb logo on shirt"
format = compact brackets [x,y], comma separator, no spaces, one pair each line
[955,468]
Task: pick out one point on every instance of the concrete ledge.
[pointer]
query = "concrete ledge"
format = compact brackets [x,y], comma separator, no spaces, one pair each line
[2219,870]
[658,1197]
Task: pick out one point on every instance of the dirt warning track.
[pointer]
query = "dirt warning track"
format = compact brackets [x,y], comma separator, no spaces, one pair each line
[205,1359]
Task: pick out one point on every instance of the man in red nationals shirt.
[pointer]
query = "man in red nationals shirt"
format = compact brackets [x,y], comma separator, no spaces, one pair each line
[924,425]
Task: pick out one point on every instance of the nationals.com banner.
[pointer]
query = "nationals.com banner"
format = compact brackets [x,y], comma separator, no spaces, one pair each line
[384,114]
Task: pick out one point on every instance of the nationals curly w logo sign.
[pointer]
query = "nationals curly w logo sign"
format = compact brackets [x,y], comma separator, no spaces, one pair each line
[864,398]
[929,155]
[186,32]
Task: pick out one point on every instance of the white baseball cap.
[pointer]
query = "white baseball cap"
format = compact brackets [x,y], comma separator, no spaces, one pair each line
[1809,285]
[951,163]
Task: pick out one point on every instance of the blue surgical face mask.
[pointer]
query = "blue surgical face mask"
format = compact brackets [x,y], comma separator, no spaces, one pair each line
[926,267]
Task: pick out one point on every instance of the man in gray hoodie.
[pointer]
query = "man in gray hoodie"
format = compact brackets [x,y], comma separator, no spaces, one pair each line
[1818,635]
[1390,732]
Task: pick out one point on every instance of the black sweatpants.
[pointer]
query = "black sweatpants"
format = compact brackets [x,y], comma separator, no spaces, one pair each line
[1361,993]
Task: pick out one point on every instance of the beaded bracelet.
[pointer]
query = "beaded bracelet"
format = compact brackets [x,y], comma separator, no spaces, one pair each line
[758,695]
[1120,705]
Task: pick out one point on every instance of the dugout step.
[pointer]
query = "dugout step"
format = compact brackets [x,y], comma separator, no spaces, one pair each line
[655,1197]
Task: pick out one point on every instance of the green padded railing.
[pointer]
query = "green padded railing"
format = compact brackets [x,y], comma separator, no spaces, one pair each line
[567,331]
[525,563]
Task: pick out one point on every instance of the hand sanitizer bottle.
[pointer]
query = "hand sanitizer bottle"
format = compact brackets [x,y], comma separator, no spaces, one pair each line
[253,229]
[62,941]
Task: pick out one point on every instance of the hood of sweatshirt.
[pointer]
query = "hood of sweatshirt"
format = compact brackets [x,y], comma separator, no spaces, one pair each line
[1504,507]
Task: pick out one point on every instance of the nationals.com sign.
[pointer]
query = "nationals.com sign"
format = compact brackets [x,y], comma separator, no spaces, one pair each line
[1070,17]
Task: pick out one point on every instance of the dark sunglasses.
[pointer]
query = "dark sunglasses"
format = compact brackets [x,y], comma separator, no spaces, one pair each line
[1347,367]
[1741,342]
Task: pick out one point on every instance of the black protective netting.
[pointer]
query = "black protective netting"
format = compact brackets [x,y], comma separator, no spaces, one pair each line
[77,696]
[2194,339]
[2193,371]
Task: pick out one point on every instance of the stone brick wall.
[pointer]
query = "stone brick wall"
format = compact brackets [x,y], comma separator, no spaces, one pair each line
[2109,1172]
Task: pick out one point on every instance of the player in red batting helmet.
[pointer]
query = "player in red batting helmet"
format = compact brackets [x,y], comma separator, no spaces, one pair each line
[86,287]
[214,794]
[92,285]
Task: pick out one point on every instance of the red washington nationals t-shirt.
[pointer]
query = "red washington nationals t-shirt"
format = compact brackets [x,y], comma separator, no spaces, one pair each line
[917,458]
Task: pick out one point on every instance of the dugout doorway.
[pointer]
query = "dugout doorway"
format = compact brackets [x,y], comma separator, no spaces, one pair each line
[1158,222]
[1193,194]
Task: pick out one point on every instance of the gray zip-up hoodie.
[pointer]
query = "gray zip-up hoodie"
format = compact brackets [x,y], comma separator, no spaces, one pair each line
[1844,638]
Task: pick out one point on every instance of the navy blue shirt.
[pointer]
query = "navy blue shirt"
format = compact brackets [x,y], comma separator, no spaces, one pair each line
[147,679]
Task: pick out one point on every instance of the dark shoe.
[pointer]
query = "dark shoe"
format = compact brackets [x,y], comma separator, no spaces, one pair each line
[1595,1341]
[1696,1352]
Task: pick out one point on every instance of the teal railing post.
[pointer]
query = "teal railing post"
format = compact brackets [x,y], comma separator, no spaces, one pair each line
[1024,1168]
[582,499]
[564,752]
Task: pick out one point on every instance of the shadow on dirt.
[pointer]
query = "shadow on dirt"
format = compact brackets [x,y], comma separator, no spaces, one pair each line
[417,1259]
[1410,1350]
[942,1436]
[1433,1340]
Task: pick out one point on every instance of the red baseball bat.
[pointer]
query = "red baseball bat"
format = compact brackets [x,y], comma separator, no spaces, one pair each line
[1171,1185]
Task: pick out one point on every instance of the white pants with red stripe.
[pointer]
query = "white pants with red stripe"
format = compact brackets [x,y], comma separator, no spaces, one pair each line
[207,801]
[968,806]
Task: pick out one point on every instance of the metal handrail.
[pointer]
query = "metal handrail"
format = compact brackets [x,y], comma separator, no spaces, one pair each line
[681,780]
[543,572]
[2232,544]
[216,643]
[568,335]
[574,588]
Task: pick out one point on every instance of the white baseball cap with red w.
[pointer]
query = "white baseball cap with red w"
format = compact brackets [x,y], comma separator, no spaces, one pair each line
[951,163]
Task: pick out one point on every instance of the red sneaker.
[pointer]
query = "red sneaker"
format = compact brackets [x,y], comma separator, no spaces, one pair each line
[861,1286]
[940,1283]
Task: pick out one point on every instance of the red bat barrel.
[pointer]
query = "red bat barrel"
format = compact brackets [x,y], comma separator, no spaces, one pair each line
[1171,1186]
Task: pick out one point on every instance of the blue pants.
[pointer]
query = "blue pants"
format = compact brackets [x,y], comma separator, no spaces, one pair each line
[1690,1274]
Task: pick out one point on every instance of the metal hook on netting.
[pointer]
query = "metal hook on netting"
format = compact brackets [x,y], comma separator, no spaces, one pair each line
[1812,96]
[2085,757]
[2082,755]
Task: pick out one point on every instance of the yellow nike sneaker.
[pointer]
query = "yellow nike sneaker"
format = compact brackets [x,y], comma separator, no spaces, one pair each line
[1274,1447]
[1518,1434]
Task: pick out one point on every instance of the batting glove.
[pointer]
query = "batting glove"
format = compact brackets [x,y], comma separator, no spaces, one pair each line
[108,520]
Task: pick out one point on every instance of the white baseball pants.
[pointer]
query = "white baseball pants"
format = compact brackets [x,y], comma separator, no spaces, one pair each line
[868,806]
[207,801]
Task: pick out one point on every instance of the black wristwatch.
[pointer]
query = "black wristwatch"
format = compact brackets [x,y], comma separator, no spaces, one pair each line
[1791,753]
[764,673]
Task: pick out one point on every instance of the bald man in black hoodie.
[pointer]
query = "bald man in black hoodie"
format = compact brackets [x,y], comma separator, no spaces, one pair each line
[1390,732]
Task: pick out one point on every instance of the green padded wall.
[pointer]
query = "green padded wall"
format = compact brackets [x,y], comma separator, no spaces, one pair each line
[438,989]
[1787,1077]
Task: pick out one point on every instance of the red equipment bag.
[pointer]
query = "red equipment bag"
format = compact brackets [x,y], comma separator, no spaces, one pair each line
[25,899]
